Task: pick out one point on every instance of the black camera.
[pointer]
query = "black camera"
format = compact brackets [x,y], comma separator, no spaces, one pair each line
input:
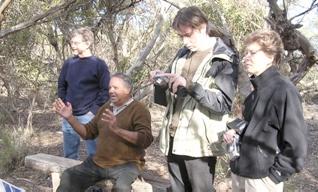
[237,124]
[181,91]
[161,81]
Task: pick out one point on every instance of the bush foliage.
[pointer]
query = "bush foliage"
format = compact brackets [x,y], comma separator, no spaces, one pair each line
[14,145]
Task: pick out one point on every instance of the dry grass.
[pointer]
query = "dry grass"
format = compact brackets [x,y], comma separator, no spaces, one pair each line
[14,144]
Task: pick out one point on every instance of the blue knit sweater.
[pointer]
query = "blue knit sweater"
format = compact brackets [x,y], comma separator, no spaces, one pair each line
[84,83]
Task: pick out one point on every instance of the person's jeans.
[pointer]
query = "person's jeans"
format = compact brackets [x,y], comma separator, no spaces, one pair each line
[80,177]
[71,140]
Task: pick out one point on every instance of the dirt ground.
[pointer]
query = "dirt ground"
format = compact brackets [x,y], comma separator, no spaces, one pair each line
[48,139]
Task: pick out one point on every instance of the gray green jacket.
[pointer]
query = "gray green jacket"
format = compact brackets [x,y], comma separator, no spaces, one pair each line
[204,110]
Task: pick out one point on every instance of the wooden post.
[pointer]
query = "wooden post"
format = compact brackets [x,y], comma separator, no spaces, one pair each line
[55,180]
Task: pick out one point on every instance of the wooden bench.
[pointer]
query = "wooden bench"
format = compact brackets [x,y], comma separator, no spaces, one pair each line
[55,165]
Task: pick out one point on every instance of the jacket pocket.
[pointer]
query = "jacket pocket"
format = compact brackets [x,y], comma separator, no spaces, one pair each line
[254,162]
[269,139]
[270,126]
[264,159]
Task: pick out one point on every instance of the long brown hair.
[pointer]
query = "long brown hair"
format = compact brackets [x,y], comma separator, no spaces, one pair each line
[193,17]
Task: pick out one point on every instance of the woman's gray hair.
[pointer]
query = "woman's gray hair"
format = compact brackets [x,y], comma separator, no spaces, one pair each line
[126,79]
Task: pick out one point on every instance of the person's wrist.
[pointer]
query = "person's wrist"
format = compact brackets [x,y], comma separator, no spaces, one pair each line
[118,130]
[69,118]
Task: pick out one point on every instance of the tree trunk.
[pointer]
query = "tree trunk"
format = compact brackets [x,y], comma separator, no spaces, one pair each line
[293,40]
[145,52]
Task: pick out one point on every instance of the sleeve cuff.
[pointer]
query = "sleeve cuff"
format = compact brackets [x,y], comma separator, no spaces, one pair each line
[277,176]
[94,109]
[193,89]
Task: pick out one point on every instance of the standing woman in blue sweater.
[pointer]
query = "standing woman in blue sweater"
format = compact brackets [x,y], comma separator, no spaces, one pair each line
[83,82]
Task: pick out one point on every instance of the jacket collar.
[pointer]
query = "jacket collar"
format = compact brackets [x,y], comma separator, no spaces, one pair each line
[220,50]
[263,79]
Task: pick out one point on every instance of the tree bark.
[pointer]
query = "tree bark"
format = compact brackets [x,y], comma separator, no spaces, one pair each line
[292,39]
[111,35]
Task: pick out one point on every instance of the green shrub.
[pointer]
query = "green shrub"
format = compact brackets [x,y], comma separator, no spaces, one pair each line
[14,144]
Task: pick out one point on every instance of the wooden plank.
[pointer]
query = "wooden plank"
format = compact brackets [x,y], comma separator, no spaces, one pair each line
[49,163]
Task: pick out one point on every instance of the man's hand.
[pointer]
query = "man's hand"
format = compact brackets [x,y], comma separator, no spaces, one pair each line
[228,136]
[109,118]
[62,109]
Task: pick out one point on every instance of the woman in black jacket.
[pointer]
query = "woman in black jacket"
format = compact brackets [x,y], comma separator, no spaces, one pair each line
[273,145]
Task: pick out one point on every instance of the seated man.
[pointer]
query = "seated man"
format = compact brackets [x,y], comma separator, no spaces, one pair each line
[122,127]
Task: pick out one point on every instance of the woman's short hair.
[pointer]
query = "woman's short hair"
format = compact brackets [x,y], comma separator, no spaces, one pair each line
[127,80]
[270,43]
[85,32]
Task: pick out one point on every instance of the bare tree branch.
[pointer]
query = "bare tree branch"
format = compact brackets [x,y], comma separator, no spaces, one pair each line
[111,35]
[145,52]
[108,18]
[143,91]
[34,20]
[310,58]
[132,3]
[173,4]
[312,6]
[3,6]
[113,9]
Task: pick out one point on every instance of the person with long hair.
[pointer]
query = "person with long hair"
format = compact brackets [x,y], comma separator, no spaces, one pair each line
[198,91]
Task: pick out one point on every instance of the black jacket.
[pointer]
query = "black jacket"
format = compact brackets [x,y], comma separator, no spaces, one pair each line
[274,143]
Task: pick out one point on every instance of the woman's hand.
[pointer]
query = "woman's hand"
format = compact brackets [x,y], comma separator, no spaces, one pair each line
[228,136]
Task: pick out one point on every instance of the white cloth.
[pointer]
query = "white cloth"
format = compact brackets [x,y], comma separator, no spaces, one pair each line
[117,110]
